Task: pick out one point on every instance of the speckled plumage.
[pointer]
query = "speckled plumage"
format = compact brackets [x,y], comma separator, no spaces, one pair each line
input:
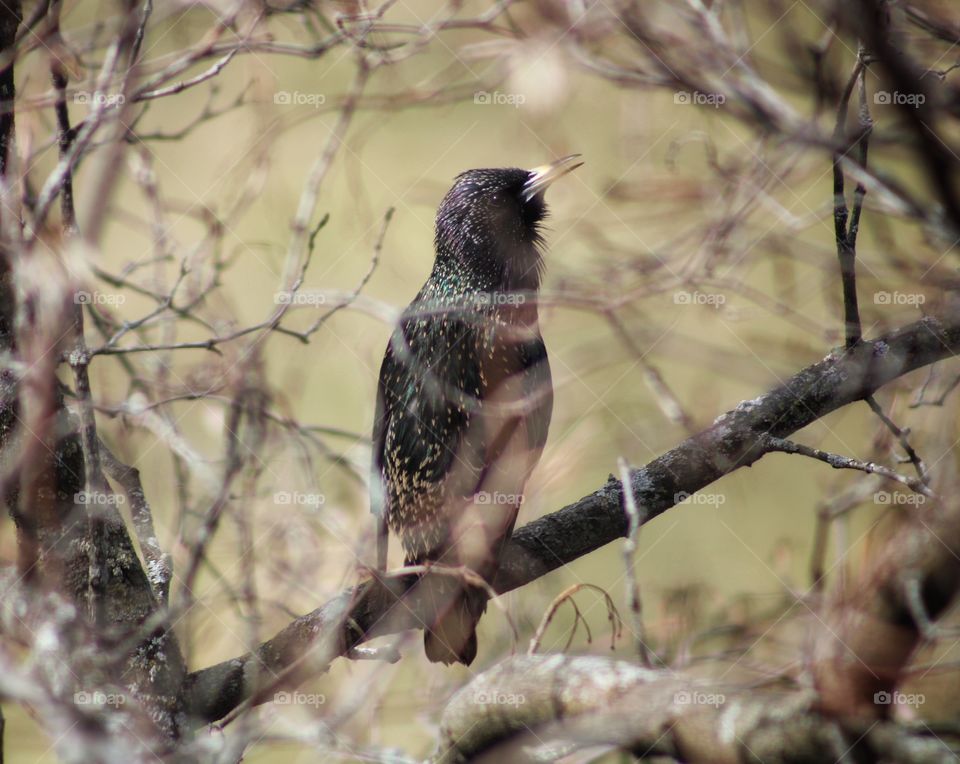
[465,396]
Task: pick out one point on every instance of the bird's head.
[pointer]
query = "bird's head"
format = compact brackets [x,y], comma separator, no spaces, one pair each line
[488,224]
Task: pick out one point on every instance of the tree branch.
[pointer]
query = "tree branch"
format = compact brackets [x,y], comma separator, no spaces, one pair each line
[839,462]
[526,707]
[736,439]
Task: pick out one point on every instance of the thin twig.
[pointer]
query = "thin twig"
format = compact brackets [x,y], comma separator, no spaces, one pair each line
[939,400]
[374,262]
[669,404]
[838,462]
[79,359]
[159,563]
[846,237]
[567,594]
[634,602]
[903,437]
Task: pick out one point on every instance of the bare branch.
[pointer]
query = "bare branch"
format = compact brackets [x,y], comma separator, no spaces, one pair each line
[736,439]
[634,521]
[847,463]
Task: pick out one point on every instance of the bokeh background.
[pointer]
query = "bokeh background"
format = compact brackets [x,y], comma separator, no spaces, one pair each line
[708,243]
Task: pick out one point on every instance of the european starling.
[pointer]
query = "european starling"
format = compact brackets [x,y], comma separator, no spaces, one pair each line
[465,395]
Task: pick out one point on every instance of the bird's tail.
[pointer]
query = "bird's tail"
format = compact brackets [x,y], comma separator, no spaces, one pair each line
[453,637]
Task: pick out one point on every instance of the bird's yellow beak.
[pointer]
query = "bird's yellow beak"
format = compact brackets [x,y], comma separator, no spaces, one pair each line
[543,176]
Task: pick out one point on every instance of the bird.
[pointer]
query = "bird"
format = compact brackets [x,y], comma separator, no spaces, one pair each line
[465,396]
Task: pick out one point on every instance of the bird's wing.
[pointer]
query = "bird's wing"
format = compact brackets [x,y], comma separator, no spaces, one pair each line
[378,493]
[431,388]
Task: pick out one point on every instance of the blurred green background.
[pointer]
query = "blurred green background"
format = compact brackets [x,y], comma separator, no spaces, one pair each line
[642,222]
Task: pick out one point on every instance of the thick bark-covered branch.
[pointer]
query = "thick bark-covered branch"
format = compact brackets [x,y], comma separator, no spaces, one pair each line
[870,631]
[45,454]
[736,439]
[547,704]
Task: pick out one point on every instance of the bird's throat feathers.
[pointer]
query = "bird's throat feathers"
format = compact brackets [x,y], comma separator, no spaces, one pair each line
[485,264]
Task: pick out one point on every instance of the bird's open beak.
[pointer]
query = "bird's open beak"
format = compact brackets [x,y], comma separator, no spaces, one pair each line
[541,177]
